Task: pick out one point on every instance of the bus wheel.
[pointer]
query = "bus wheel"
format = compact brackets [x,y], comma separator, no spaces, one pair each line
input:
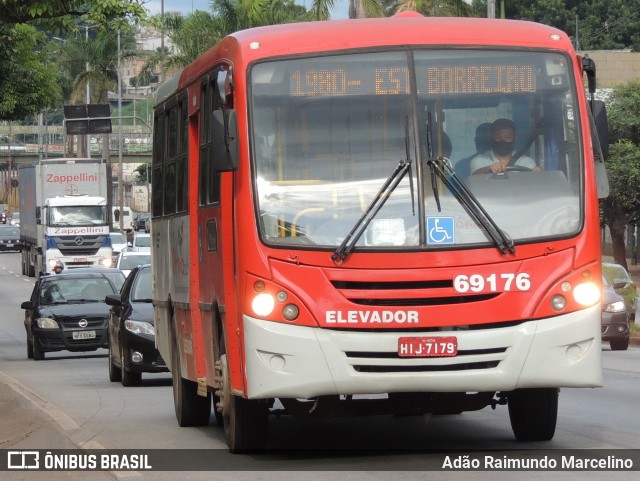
[245,420]
[533,413]
[191,409]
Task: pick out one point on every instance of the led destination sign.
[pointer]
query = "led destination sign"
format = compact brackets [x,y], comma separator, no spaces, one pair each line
[434,80]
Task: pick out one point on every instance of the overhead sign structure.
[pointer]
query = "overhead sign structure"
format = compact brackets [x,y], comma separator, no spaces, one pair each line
[87,119]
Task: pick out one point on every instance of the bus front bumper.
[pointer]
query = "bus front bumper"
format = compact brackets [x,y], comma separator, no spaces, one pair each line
[289,361]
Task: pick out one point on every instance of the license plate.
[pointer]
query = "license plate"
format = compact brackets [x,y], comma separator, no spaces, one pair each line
[10,244]
[77,335]
[433,346]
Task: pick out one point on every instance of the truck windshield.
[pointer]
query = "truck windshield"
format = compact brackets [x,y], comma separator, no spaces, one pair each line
[78,215]
[328,131]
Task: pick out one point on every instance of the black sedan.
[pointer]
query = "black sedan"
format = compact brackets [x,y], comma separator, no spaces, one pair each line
[67,312]
[132,348]
[9,238]
[615,318]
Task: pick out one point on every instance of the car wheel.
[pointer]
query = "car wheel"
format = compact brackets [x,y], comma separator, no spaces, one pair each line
[115,374]
[129,378]
[533,413]
[38,353]
[619,344]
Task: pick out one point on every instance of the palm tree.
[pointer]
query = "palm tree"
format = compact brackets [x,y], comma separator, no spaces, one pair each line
[435,8]
[190,36]
[93,62]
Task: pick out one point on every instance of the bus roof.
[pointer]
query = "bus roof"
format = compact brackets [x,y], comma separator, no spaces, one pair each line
[407,28]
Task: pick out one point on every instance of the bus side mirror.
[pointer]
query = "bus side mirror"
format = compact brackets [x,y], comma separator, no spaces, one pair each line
[600,142]
[599,111]
[224,140]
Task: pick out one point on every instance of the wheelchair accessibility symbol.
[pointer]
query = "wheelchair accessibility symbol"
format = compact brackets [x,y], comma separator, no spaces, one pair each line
[440,230]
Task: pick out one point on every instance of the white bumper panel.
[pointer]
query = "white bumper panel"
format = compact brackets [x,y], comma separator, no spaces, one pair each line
[284,360]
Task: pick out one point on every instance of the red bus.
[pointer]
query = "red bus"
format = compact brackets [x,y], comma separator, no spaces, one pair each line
[320,246]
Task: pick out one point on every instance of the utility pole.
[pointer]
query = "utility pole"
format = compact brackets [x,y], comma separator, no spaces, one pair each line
[88,97]
[491,9]
[120,179]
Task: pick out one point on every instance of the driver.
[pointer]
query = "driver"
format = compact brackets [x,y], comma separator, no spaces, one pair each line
[498,157]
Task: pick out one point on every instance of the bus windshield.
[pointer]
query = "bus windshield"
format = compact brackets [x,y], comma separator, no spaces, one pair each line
[327,133]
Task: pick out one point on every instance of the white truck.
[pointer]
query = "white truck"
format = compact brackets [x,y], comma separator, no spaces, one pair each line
[64,213]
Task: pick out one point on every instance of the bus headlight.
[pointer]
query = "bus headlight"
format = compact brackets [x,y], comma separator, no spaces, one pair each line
[263,304]
[586,294]
[106,262]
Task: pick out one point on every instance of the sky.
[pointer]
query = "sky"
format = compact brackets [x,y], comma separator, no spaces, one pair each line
[186,6]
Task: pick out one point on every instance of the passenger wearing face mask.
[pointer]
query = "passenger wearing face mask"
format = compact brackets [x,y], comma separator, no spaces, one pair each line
[498,157]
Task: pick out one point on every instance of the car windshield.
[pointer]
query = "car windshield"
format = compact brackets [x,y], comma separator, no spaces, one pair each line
[327,132]
[10,231]
[142,241]
[60,290]
[118,239]
[128,262]
[141,290]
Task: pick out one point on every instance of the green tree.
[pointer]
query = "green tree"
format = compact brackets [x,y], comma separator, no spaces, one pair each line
[436,8]
[237,15]
[190,35]
[599,24]
[622,207]
[28,75]
[22,71]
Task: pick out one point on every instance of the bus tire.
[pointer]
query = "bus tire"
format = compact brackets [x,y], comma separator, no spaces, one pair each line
[533,413]
[191,409]
[245,420]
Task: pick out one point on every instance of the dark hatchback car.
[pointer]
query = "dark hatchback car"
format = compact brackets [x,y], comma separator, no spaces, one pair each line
[9,238]
[139,221]
[132,348]
[67,312]
[622,282]
[615,318]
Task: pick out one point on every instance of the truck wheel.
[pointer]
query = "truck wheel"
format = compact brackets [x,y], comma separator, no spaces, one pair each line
[245,420]
[191,409]
[533,413]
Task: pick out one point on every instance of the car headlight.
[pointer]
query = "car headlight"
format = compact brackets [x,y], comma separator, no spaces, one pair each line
[46,323]
[617,306]
[139,327]
[106,262]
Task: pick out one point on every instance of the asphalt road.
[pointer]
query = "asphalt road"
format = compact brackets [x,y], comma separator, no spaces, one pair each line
[67,401]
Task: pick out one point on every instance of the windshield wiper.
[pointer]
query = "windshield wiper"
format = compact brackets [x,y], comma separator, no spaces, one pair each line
[434,182]
[403,167]
[472,205]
